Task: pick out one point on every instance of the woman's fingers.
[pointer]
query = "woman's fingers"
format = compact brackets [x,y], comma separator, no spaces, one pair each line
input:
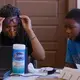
[1,21]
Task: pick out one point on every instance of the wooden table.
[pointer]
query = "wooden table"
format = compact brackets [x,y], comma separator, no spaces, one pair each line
[48,79]
[27,78]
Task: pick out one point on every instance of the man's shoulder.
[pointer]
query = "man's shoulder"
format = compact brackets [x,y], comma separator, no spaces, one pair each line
[70,41]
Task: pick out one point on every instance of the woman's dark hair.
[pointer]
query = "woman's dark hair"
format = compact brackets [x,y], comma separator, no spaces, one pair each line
[11,11]
[74,14]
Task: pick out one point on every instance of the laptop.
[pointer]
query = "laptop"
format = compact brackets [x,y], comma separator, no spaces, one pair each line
[5,59]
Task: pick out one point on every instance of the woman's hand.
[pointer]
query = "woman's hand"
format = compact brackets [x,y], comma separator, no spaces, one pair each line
[1,21]
[26,22]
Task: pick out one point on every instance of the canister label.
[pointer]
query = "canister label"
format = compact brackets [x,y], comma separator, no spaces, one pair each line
[18,62]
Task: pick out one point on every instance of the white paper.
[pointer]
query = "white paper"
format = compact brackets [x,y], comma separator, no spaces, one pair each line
[68,73]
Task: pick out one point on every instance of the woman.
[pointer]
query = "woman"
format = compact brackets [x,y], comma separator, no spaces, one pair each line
[17,28]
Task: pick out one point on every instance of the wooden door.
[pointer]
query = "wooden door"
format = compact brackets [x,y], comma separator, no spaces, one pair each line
[48,24]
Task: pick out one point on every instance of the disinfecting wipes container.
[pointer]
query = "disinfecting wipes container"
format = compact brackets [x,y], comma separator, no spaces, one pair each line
[18,59]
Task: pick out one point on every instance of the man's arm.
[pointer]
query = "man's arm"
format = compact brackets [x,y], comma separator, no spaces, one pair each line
[70,65]
[69,62]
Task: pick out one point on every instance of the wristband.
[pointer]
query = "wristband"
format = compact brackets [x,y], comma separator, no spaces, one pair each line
[32,38]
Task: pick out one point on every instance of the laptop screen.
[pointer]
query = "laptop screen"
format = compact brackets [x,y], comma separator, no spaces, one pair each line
[5,57]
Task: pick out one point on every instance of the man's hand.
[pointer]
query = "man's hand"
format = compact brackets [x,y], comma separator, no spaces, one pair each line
[26,22]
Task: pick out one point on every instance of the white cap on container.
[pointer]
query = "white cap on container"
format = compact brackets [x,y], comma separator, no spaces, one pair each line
[19,46]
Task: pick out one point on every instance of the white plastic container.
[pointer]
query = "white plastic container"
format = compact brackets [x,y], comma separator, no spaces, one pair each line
[18,59]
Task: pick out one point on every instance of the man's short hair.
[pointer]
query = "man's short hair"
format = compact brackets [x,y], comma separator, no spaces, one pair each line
[74,14]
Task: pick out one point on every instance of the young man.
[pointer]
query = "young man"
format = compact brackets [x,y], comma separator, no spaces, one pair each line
[17,28]
[72,25]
